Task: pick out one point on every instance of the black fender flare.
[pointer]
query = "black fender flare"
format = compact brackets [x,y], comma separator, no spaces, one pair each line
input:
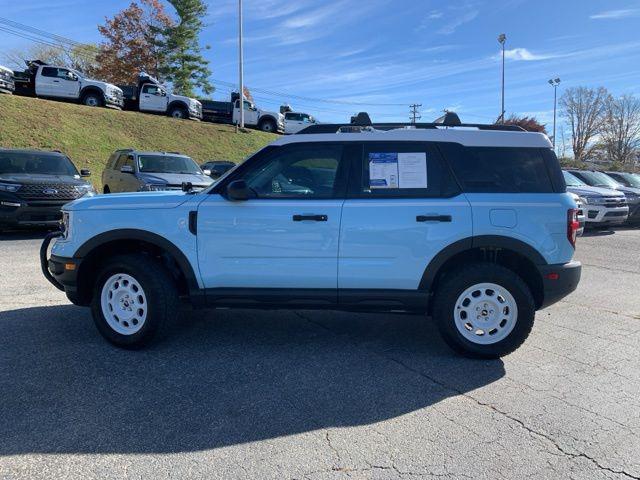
[481,241]
[148,237]
[178,104]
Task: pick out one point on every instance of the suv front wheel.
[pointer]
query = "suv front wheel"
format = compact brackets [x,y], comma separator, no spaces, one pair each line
[134,297]
[484,310]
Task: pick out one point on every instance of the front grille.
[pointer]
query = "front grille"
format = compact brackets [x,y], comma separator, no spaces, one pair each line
[615,214]
[615,202]
[48,191]
[5,75]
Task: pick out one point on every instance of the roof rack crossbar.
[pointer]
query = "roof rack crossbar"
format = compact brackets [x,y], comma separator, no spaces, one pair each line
[334,127]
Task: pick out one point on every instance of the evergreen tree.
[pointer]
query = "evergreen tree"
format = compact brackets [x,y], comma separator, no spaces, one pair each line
[185,66]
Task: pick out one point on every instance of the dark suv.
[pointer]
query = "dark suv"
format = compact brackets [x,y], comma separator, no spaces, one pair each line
[34,185]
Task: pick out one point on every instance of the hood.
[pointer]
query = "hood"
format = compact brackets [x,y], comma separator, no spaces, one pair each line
[186,100]
[631,190]
[97,83]
[130,201]
[5,69]
[35,179]
[586,191]
[175,178]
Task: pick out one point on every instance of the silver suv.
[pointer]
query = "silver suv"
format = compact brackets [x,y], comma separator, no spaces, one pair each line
[135,171]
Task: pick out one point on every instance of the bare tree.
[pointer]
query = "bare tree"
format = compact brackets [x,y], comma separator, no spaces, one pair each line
[81,57]
[583,108]
[621,128]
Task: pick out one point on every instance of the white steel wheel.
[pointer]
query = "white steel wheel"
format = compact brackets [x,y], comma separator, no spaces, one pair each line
[485,313]
[178,113]
[124,304]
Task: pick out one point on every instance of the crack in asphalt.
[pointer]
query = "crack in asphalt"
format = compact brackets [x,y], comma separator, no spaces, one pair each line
[493,408]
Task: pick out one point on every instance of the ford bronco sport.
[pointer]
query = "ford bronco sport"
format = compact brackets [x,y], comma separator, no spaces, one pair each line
[471,226]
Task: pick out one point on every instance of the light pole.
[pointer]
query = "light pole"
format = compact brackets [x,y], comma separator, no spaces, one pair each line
[240,60]
[502,38]
[554,82]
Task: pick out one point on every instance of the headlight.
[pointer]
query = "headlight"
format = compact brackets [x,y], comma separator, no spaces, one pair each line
[632,198]
[9,187]
[583,200]
[595,200]
[85,189]
[64,224]
[154,187]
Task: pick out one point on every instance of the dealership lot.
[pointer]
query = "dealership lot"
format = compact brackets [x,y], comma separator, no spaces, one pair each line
[305,394]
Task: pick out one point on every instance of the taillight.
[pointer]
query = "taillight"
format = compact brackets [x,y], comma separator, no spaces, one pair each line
[572,226]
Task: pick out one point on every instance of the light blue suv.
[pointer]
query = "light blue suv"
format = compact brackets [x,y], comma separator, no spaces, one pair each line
[471,226]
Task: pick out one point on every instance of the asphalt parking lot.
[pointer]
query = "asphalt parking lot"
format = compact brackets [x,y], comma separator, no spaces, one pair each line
[321,395]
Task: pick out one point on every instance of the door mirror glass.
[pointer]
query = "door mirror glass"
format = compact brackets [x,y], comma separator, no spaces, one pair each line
[85,173]
[207,172]
[126,169]
[238,190]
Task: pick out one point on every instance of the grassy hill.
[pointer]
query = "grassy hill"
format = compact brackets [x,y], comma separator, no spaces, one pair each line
[89,135]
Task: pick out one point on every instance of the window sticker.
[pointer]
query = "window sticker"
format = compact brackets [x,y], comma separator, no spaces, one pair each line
[383,170]
[398,170]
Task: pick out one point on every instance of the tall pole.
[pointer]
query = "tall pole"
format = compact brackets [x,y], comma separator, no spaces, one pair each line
[502,38]
[554,82]
[414,112]
[241,62]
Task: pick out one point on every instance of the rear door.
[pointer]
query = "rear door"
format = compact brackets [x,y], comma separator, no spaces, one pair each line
[404,207]
[286,237]
[47,82]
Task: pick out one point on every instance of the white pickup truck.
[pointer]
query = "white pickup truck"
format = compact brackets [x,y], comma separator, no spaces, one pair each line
[6,80]
[62,83]
[229,112]
[150,96]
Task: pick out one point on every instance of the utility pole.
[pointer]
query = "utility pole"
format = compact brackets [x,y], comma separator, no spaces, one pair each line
[554,82]
[414,112]
[241,67]
[502,38]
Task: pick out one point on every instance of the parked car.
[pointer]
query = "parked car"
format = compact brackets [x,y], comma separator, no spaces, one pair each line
[34,185]
[600,179]
[603,207]
[294,122]
[630,181]
[217,168]
[150,96]
[461,224]
[7,84]
[229,112]
[135,171]
[62,83]
[580,214]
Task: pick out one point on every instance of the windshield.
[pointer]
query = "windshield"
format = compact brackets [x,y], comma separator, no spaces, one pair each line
[598,179]
[632,179]
[572,180]
[36,163]
[167,164]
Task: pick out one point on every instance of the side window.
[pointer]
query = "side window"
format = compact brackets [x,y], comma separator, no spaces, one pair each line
[64,73]
[121,161]
[402,170]
[129,161]
[298,171]
[499,169]
[150,89]
[112,161]
[49,72]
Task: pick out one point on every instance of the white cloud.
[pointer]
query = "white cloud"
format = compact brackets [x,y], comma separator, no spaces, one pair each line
[522,54]
[454,24]
[616,14]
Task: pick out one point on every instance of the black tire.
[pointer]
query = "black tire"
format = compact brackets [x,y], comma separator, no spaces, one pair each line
[179,113]
[268,126]
[162,300]
[106,189]
[456,282]
[92,99]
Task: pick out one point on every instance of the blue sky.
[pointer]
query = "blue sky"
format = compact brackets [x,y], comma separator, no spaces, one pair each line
[386,54]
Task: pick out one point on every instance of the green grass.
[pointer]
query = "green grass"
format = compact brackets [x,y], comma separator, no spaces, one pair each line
[90,135]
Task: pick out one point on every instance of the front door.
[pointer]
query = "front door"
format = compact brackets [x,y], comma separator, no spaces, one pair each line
[287,236]
[153,98]
[68,85]
[404,208]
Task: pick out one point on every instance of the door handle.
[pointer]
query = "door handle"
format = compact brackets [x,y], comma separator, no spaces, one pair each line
[315,218]
[433,218]
[56,81]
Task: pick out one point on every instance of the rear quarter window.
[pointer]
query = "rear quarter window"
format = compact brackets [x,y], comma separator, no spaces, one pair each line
[499,169]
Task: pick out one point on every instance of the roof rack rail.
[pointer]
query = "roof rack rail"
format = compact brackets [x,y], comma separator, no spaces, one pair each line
[362,120]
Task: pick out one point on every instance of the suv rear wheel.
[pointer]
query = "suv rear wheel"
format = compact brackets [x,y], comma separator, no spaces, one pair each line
[133,298]
[484,310]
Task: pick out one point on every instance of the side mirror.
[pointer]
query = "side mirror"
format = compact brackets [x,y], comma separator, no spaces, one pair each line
[207,172]
[85,173]
[238,190]
[126,169]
